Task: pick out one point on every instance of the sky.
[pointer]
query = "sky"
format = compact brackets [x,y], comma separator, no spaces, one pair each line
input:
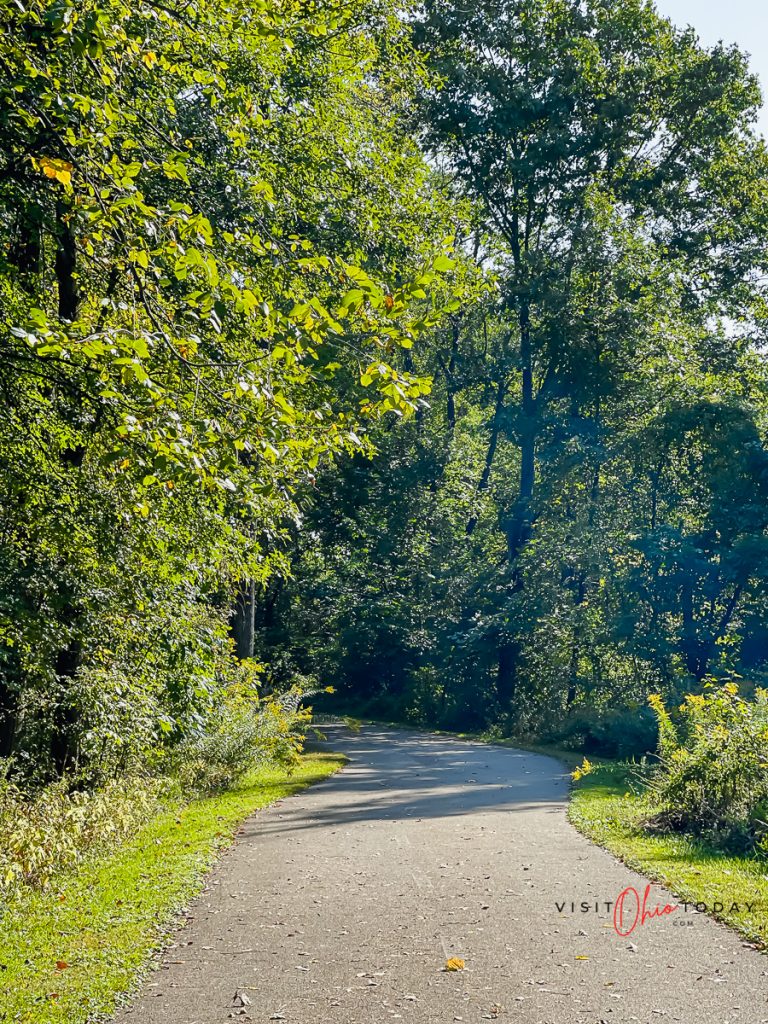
[744,22]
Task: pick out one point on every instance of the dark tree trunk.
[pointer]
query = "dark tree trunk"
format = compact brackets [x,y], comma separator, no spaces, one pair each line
[450,377]
[451,411]
[66,265]
[691,647]
[517,526]
[8,712]
[68,659]
[490,454]
[573,676]
[267,608]
[243,621]
[506,675]
[64,715]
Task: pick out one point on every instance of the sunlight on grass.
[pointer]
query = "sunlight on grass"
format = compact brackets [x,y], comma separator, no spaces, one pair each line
[71,951]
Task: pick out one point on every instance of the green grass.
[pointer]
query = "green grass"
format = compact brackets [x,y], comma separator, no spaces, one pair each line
[104,921]
[605,809]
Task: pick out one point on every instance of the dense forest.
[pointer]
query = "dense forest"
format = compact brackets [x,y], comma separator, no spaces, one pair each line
[577,516]
[415,352]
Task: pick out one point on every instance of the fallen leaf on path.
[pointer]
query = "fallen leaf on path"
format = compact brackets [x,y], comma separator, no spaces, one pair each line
[454,964]
[581,958]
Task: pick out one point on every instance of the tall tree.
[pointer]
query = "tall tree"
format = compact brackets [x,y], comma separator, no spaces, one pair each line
[195,274]
[560,119]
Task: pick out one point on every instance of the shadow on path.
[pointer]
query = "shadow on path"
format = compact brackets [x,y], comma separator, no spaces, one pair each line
[393,775]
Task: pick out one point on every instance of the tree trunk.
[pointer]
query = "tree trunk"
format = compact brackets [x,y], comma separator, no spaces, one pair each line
[517,526]
[8,712]
[507,674]
[243,621]
[573,676]
[490,454]
[66,265]
[69,658]
[450,377]
[691,648]
[62,746]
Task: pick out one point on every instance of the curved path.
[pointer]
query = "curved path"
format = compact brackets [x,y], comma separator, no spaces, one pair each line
[341,905]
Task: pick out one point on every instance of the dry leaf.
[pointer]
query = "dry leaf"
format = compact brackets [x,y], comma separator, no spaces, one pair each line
[454,964]
[61,965]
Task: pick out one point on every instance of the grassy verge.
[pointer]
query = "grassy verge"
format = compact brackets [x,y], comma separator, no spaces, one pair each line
[68,953]
[605,808]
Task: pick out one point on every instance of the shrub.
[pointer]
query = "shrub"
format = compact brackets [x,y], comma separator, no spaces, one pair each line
[54,829]
[713,770]
[246,728]
[623,732]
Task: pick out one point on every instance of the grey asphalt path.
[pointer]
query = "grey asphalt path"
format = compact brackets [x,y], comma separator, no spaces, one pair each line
[341,905]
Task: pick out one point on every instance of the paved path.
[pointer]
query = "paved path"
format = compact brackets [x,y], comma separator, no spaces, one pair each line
[340,906]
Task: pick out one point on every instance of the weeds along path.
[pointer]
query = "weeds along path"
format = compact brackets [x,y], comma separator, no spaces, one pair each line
[343,903]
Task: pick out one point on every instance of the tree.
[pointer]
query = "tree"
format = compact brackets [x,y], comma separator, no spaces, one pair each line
[587,131]
[551,540]
[196,276]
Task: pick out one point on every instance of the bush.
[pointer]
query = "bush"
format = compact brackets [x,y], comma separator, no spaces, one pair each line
[245,729]
[616,733]
[217,758]
[54,829]
[713,771]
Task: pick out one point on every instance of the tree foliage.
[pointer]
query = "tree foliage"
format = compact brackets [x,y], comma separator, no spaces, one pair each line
[417,351]
[202,300]
[578,520]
